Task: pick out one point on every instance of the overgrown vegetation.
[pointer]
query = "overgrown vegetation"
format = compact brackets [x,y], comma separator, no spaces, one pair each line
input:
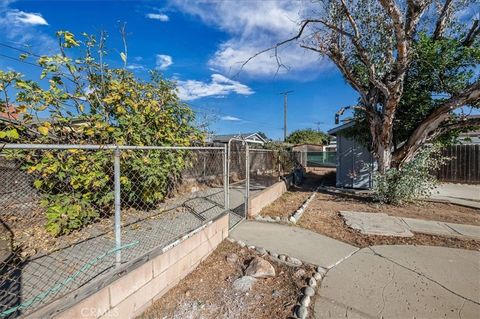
[84,101]
[307,136]
[411,182]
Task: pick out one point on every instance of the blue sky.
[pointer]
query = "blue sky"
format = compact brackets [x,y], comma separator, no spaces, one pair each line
[199,46]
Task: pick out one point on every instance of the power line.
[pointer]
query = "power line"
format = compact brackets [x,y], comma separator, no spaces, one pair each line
[20,50]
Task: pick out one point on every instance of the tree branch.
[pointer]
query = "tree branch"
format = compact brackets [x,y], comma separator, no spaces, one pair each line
[442,20]
[433,121]
[472,34]
[303,25]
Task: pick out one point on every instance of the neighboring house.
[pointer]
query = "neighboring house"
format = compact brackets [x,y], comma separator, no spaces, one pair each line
[308,148]
[10,114]
[472,137]
[332,145]
[355,162]
[248,137]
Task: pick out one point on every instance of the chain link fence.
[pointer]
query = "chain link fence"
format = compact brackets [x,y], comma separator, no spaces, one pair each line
[71,213]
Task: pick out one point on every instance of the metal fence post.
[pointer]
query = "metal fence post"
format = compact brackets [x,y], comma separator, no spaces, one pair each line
[247,178]
[118,229]
[226,187]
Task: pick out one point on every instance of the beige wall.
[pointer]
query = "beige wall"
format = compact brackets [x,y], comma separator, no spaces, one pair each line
[267,196]
[135,291]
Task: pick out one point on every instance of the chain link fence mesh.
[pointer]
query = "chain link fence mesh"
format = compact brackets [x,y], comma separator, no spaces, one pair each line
[57,213]
[57,208]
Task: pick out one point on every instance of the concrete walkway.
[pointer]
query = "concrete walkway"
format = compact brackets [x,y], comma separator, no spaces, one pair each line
[378,281]
[294,241]
[402,282]
[383,224]
[461,194]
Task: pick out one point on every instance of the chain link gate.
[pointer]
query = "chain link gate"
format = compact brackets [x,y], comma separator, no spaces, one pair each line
[238,180]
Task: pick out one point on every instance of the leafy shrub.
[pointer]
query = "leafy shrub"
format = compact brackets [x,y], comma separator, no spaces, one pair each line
[410,182]
[88,102]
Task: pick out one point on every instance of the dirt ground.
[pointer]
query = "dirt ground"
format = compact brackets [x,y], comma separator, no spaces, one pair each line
[207,292]
[291,200]
[322,216]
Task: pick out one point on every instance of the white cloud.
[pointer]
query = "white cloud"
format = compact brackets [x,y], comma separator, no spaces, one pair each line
[219,86]
[230,118]
[163,61]
[158,16]
[254,27]
[135,66]
[25,29]
[26,18]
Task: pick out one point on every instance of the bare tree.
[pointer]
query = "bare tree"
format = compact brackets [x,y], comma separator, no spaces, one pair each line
[371,42]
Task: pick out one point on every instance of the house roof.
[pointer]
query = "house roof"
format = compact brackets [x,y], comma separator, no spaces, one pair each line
[249,137]
[339,128]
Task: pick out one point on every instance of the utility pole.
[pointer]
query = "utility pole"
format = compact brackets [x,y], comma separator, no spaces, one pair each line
[317,123]
[285,95]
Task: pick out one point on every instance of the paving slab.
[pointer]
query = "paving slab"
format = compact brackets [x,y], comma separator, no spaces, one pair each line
[466,230]
[293,241]
[429,227]
[376,224]
[402,282]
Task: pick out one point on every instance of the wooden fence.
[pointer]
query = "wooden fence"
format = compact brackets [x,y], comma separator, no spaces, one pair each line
[464,166]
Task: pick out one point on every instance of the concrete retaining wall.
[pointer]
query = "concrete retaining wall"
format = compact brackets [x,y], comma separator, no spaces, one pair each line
[268,196]
[136,287]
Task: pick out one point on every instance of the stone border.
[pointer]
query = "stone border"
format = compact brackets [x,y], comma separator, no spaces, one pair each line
[306,294]
[295,217]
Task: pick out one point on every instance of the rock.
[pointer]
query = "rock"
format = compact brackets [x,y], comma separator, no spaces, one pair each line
[294,261]
[232,259]
[268,219]
[241,243]
[321,270]
[305,301]
[260,268]
[292,219]
[231,239]
[244,283]
[309,291]
[277,218]
[302,312]
[259,218]
[274,255]
[318,276]
[251,247]
[282,257]
[299,273]
[261,250]
[312,282]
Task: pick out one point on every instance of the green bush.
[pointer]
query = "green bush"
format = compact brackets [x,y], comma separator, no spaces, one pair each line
[112,107]
[410,182]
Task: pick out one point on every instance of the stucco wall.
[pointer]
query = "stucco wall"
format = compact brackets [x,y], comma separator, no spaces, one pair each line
[268,196]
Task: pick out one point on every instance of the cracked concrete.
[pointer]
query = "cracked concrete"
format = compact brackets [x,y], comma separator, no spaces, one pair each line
[402,282]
